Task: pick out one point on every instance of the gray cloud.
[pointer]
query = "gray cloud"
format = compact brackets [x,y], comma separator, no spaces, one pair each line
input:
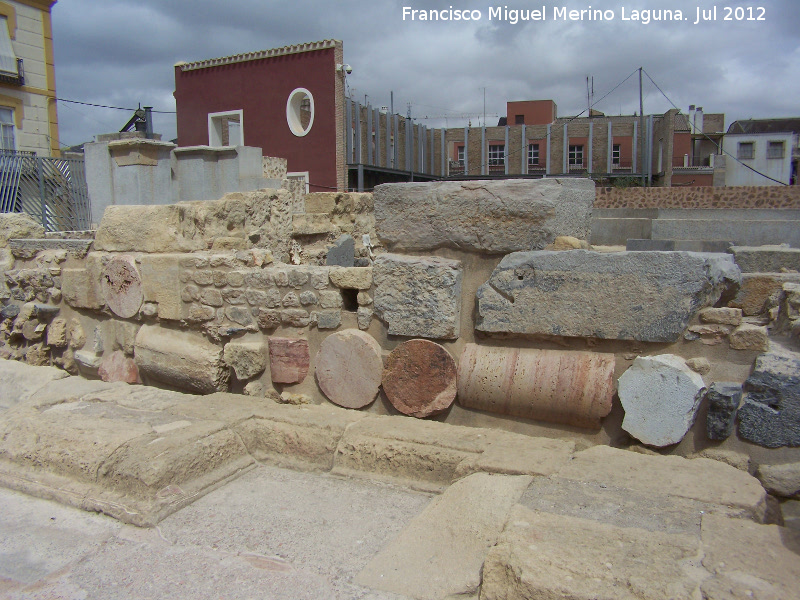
[122,52]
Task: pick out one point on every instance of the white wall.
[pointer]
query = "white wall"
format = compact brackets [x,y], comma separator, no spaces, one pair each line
[776,168]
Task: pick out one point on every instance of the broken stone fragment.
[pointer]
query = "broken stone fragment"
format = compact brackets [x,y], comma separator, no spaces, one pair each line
[645,296]
[418,296]
[420,378]
[574,388]
[660,395]
[247,359]
[118,367]
[723,316]
[749,337]
[780,480]
[349,368]
[770,413]
[342,253]
[289,359]
[699,364]
[182,359]
[723,402]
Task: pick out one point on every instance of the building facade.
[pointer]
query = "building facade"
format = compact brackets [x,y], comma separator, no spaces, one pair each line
[291,103]
[766,151]
[28,114]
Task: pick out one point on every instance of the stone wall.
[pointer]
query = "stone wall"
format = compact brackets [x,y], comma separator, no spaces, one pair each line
[699,197]
[480,298]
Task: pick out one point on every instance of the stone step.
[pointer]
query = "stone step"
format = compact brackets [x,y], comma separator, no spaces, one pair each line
[742,232]
[678,245]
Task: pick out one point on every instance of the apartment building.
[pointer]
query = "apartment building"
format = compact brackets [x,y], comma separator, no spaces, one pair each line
[767,152]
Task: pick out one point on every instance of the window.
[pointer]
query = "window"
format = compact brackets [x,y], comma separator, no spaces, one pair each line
[460,155]
[519,120]
[8,60]
[775,150]
[746,150]
[576,156]
[497,155]
[616,149]
[7,129]
[226,128]
[533,154]
[300,111]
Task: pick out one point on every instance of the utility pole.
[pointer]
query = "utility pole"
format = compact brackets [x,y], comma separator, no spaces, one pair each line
[641,126]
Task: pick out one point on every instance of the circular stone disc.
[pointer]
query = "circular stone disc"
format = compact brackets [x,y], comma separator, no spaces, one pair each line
[122,287]
[349,368]
[420,378]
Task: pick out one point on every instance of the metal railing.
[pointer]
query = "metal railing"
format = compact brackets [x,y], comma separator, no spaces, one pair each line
[51,190]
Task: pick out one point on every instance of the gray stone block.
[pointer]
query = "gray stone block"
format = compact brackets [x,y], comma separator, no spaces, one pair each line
[342,253]
[770,415]
[723,402]
[650,245]
[645,296]
[616,232]
[418,296]
[766,259]
[482,216]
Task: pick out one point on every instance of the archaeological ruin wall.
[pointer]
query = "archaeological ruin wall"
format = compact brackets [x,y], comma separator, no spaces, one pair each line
[476,303]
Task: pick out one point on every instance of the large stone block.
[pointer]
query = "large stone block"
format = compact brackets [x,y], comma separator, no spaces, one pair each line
[660,395]
[159,228]
[418,296]
[758,290]
[181,359]
[770,415]
[766,259]
[723,402]
[645,296]
[161,283]
[483,216]
[18,225]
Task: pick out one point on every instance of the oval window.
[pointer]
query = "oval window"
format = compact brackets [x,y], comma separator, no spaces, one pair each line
[300,111]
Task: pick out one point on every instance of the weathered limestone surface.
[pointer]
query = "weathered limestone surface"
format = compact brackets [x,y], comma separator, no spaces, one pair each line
[721,316]
[19,381]
[418,296]
[781,480]
[482,216]
[422,563]
[349,368]
[732,491]
[766,259]
[645,296]
[542,555]
[758,289]
[18,225]
[771,572]
[151,228]
[749,337]
[723,402]
[575,388]
[770,414]
[161,283]
[288,359]
[29,248]
[115,366]
[182,359]
[247,359]
[660,395]
[420,378]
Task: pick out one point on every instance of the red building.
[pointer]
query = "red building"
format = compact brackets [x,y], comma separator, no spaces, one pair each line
[287,101]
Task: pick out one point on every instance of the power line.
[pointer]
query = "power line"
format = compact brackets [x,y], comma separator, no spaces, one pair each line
[165,112]
[692,128]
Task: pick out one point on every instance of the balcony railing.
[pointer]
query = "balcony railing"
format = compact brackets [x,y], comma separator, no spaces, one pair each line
[17,79]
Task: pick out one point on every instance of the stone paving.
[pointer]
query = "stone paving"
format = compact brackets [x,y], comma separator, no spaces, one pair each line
[513,516]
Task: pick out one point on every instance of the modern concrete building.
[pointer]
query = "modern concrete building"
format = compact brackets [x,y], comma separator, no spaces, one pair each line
[766,151]
[28,116]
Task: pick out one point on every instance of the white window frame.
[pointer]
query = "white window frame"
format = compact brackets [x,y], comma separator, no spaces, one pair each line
[750,154]
[533,155]
[215,121]
[461,154]
[497,155]
[575,157]
[616,154]
[293,106]
[9,127]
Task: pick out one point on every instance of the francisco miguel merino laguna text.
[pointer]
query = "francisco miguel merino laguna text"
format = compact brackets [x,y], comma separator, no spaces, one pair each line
[562,13]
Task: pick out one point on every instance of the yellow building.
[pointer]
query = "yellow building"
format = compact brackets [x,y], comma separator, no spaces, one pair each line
[28,116]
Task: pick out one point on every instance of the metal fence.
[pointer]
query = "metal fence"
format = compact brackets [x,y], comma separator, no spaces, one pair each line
[51,190]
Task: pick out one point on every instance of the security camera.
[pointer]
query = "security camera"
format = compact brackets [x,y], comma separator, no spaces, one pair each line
[346,68]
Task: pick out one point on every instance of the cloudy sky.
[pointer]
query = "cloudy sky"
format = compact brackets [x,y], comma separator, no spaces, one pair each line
[121,53]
